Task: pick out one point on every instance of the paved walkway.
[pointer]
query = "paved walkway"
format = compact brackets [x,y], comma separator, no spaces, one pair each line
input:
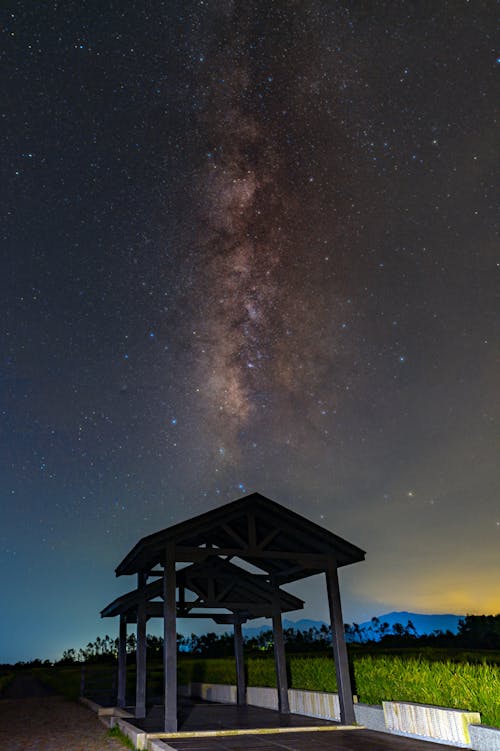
[32,718]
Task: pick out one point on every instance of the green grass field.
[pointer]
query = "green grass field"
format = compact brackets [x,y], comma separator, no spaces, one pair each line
[469,684]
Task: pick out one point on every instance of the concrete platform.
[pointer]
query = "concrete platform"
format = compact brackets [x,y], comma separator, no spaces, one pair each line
[341,740]
[293,732]
[196,715]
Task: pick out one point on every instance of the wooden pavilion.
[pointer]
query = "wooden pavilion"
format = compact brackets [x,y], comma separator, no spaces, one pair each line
[254,530]
[217,585]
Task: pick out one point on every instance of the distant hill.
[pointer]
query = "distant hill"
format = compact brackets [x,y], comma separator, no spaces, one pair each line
[423,622]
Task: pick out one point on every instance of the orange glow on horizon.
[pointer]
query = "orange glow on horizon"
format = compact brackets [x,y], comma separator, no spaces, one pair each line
[463,593]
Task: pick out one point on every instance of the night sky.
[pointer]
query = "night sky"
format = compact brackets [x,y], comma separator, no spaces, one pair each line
[247,246]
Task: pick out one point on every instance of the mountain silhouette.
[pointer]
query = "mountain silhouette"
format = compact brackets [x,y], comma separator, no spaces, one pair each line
[425,623]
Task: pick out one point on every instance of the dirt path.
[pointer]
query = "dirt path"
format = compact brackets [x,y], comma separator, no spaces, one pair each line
[32,718]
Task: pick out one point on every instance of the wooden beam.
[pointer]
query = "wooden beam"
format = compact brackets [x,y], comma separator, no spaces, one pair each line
[228,618]
[253,605]
[280,656]
[240,664]
[170,641]
[140,683]
[252,531]
[309,560]
[188,606]
[347,716]
[268,538]
[298,534]
[182,596]
[122,662]
[197,585]
[197,555]
[250,611]
[236,537]
[211,588]
[226,590]
[241,617]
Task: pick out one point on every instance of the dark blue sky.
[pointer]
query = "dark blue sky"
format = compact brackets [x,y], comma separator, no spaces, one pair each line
[247,246]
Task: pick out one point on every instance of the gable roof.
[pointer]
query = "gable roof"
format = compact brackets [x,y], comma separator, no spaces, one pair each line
[280,542]
[217,584]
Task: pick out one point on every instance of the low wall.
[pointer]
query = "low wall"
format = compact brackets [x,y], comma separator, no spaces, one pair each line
[371,716]
[310,703]
[314,704]
[261,696]
[218,692]
[257,696]
[433,723]
[484,738]
[438,724]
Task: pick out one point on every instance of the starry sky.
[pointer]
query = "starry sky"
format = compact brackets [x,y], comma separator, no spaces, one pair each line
[247,246]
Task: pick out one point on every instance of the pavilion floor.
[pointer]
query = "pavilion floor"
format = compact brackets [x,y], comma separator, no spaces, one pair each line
[197,715]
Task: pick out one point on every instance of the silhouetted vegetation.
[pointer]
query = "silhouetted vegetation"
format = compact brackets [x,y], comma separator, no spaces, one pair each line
[479,632]
[475,632]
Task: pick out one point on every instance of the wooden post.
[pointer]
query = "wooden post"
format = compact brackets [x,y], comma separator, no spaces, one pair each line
[140,683]
[279,655]
[240,663]
[82,680]
[170,641]
[339,647]
[122,661]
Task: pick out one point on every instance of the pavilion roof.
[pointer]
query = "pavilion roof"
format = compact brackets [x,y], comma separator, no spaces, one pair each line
[217,584]
[255,529]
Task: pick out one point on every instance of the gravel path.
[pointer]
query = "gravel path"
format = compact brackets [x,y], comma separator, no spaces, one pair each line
[33,719]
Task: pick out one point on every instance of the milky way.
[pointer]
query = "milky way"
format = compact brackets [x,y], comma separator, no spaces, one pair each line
[262,343]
